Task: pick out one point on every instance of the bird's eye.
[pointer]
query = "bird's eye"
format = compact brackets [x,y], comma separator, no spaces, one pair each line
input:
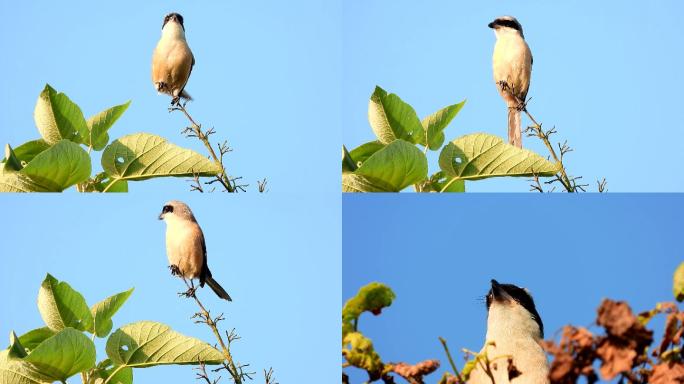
[167,208]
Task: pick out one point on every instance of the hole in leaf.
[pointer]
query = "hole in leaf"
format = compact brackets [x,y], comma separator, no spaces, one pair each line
[124,348]
[120,160]
[458,160]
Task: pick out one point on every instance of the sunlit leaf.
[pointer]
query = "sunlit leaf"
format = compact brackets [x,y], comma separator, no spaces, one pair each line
[142,156]
[481,155]
[99,124]
[435,124]
[59,167]
[57,117]
[147,343]
[61,306]
[391,118]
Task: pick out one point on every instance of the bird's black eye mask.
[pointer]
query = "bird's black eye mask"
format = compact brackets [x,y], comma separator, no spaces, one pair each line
[172,15]
[506,23]
[167,209]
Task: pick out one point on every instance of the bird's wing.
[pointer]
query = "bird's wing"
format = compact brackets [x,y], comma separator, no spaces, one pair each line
[205,269]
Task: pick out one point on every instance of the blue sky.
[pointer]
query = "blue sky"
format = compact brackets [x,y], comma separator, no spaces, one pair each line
[606,75]
[267,77]
[438,254]
[284,283]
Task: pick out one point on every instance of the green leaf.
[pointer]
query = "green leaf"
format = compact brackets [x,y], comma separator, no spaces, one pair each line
[678,283]
[59,167]
[57,117]
[142,156]
[31,339]
[481,155]
[12,163]
[16,348]
[61,306]
[391,118]
[435,124]
[372,297]
[356,183]
[364,151]
[104,310]
[146,344]
[348,164]
[397,166]
[64,354]
[105,369]
[100,123]
[16,371]
[359,352]
[27,151]
[439,182]
[12,181]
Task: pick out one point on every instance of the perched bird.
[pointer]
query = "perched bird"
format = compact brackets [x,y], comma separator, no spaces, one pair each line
[512,62]
[514,331]
[185,247]
[172,60]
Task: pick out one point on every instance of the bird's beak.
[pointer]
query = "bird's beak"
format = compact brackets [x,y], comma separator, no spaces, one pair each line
[491,25]
[496,288]
[161,216]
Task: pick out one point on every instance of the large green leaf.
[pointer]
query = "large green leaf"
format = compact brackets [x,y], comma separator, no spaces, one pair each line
[481,155]
[61,306]
[678,283]
[146,344]
[119,375]
[32,338]
[391,118]
[64,354]
[59,167]
[105,309]
[435,124]
[57,117]
[397,166]
[30,149]
[356,183]
[99,124]
[13,181]
[16,371]
[141,156]
[353,159]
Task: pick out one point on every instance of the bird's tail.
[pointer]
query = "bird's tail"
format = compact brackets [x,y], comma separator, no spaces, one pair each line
[514,127]
[185,95]
[218,289]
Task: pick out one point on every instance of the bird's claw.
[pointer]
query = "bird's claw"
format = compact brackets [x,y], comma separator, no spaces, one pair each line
[175,271]
[189,293]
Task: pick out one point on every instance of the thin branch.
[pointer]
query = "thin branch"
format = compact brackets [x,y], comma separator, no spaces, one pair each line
[451,361]
[195,130]
[206,318]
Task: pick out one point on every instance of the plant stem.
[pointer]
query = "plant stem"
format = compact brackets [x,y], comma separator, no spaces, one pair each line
[565,180]
[451,361]
[212,324]
[197,130]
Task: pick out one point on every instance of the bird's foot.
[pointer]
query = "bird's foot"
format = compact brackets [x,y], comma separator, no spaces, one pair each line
[160,85]
[175,271]
[189,293]
[504,85]
[175,102]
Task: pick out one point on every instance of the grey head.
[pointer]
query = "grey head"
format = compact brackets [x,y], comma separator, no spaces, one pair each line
[506,22]
[178,209]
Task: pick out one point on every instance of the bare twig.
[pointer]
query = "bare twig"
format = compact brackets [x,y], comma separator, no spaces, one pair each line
[451,361]
[268,377]
[195,130]
[204,317]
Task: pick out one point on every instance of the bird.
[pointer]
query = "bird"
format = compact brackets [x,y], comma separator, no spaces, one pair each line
[512,64]
[172,60]
[514,331]
[186,249]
